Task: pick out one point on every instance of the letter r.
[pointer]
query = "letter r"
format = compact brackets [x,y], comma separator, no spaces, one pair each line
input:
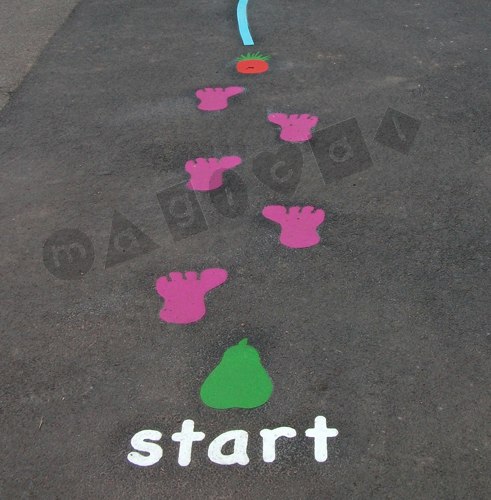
[269,440]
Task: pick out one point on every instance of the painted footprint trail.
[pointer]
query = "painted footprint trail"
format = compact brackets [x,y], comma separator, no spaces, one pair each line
[239,380]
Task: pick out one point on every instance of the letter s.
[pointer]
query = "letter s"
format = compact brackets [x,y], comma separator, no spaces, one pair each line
[140,443]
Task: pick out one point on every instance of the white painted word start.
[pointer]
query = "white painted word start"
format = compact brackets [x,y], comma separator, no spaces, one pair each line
[148,452]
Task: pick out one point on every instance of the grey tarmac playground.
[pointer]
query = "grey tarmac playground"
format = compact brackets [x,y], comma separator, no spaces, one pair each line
[382,328]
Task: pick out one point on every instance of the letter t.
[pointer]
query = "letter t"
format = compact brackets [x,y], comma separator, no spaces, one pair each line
[186,438]
[320,433]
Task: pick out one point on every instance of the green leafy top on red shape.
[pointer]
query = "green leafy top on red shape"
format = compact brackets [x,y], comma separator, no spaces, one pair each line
[253,56]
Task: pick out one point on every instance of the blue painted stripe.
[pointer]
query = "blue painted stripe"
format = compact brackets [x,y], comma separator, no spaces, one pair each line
[243,24]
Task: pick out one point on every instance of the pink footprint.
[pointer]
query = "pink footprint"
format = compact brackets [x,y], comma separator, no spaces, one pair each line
[294,128]
[207,173]
[215,99]
[185,295]
[298,224]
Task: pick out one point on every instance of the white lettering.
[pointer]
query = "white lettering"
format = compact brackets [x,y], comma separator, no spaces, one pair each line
[269,440]
[140,442]
[186,438]
[239,455]
[320,433]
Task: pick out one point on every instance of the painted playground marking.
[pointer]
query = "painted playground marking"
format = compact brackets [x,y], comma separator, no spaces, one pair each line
[294,128]
[243,23]
[184,294]
[298,224]
[147,452]
[206,174]
[238,381]
[216,99]
[252,63]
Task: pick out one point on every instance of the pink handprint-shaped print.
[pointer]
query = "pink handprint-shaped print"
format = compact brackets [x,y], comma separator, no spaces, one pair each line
[206,174]
[298,224]
[294,128]
[184,294]
[216,99]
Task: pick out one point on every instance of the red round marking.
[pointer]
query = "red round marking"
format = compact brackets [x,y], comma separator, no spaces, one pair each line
[252,66]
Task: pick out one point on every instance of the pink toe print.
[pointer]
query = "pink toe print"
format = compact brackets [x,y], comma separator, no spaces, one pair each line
[185,294]
[206,174]
[298,224]
[215,99]
[294,128]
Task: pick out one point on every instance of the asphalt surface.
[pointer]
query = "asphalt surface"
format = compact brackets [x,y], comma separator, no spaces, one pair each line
[381,328]
[25,28]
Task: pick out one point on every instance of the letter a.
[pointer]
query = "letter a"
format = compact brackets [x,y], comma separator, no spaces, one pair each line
[239,455]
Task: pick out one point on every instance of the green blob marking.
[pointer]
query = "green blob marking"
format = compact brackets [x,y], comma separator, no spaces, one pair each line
[238,381]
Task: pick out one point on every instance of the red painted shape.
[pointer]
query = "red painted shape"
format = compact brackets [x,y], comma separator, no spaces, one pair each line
[252,66]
